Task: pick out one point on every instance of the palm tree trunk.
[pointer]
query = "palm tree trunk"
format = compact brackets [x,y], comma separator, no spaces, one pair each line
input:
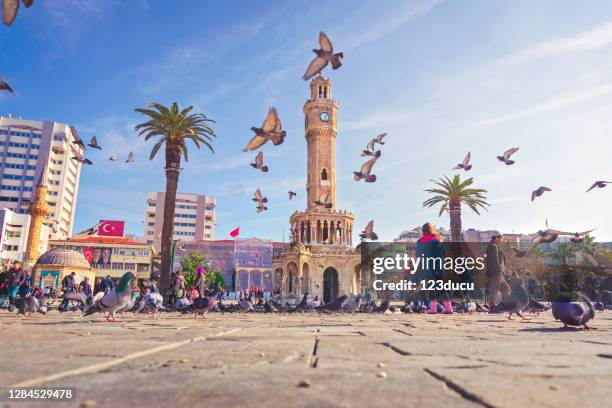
[455,221]
[172,175]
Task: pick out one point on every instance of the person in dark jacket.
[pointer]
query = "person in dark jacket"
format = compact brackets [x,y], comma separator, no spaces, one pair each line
[16,278]
[495,264]
[85,287]
[68,286]
[431,251]
[107,284]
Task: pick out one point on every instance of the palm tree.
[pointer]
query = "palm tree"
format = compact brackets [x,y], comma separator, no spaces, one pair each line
[173,127]
[564,251]
[451,194]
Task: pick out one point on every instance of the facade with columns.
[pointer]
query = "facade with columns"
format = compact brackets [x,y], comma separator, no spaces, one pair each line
[321,259]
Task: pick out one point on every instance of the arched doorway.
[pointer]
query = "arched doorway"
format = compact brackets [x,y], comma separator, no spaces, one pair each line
[305,278]
[330,285]
[291,277]
[278,279]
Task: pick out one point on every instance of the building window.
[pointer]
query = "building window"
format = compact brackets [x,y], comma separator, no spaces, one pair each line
[324,175]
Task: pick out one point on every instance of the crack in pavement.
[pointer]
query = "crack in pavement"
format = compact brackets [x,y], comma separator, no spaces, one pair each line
[463,393]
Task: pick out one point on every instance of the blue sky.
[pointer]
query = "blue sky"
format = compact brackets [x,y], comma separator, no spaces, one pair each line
[442,78]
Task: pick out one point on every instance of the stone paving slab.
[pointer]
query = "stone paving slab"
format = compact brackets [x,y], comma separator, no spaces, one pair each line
[232,360]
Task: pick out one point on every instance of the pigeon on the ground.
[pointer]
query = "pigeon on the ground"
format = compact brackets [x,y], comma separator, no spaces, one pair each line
[94,143]
[31,305]
[505,158]
[369,151]
[5,87]
[270,130]
[325,55]
[82,160]
[368,232]
[202,305]
[538,192]
[302,306]
[383,308]
[366,169]
[352,304]
[536,307]
[573,309]
[516,301]
[246,305]
[481,308]
[314,303]
[597,184]
[115,299]
[333,306]
[130,158]
[79,297]
[291,194]
[259,163]
[323,201]
[465,165]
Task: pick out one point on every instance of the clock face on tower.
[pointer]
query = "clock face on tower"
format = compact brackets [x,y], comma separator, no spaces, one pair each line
[324,116]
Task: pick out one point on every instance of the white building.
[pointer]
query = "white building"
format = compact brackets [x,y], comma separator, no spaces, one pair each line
[194,218]
[25,147]
[14,236]
[413,235]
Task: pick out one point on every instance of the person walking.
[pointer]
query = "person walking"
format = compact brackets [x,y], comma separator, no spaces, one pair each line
[16,278]
[495,264]
[68,286]
[431,251]
[199,284]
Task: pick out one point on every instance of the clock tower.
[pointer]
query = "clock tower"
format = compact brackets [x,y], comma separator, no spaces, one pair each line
[321,113]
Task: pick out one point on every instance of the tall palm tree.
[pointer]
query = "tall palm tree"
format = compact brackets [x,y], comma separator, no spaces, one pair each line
[564,252]
[173,127]
[451,194]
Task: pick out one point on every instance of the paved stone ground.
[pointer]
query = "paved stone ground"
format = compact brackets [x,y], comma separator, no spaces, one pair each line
[346,360]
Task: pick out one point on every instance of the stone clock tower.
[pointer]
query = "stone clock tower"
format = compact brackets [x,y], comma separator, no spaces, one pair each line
[320,259]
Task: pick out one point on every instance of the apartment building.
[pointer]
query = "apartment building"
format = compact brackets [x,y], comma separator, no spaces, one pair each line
[25,147]
[14,236]
[194,218]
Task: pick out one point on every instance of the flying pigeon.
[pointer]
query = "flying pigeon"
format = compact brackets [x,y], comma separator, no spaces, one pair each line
[113,157]
[115,299]
[94,143]
[368,232]
[334,306]
[261,201]
[130,158]
[323,201]
[505,158]
[324,56]
[10,9]
[598,184]
[519,253]
[364,173]
[465,164]
[579,236]
[516,301]
[538,192]
[573,309]
[270,130]
[291,194]
[82,160]
[544,237]
[369,151]
[5,87]
[259,163]
[77,139]
[352,305]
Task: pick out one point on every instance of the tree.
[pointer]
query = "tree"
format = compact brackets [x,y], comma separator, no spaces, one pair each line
[563,252]
[172,127]
[189,268]
[451,194]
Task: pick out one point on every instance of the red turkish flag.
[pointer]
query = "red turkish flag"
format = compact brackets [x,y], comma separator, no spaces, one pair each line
[235,233]
[108,228]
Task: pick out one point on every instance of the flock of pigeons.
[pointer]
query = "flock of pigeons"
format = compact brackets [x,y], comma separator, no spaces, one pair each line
[93,143]
[542,236]
[571,308]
